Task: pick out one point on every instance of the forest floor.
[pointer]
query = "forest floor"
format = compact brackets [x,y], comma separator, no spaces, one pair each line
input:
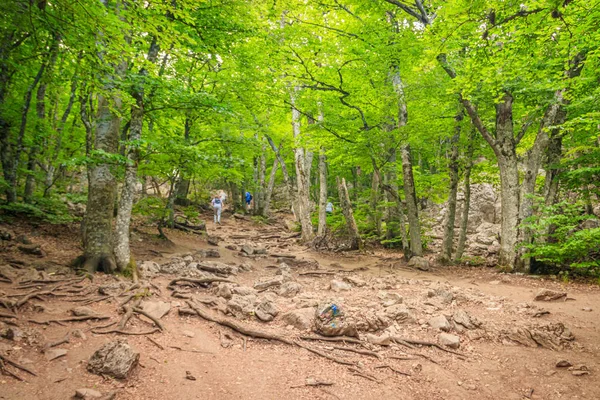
[510,350]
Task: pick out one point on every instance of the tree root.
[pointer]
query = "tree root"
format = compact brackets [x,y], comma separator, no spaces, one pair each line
[8,372]
[160,346]
[344,339]
[358,351]
[313,382]
[58,342]
[248,331]
[424,343]
[318,273]
[363,375]
[122,332]
[200,281]
[145,314]
[7,315]
[393,369]
[191,350]
[69,319]
[16,365]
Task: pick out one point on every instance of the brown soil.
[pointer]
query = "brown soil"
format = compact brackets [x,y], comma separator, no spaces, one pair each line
[493,367]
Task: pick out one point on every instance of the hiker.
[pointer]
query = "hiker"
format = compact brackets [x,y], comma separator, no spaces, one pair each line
[223,197]
[217,204]
[248,200]
[329,208]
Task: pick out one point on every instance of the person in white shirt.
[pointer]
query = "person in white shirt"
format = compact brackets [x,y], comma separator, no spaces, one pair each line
[217,204]
[329,208]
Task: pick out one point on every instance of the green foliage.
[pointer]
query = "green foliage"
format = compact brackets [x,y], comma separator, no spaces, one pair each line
[51,210]
[564,240]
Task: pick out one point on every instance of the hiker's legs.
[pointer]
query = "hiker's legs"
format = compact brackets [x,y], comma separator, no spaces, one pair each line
[218,209]
[215,212]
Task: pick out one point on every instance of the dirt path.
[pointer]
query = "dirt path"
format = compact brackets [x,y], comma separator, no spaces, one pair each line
[494,367]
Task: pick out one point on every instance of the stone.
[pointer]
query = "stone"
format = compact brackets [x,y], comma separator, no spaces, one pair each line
[12,333]
[269,282]
[245,266]
[356,281]
[87,394]
[260,251]
[461,317]
[116,359]
[148,269]
[212,253]
[247,249]
[266,311]
[445,295]
[587,309]
[338,286]
[224,290]
[189,376]
[217,268]
[449,340]
[243,290]
[390,299]
[290,289]
[399,313]
[33,249]
[79,334]
[22,238]
[157,309]
[5,235]
[189,334]
[563,364]
[549,295]
[580,373]
[84,311]
[213,240]
[241,306]
[419,263]
[440,322]
[53,354]
[302,318]
[383,340]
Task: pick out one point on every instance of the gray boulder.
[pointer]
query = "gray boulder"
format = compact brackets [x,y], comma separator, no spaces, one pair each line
[440,322]
[446,339]
[266,311]
[302,318]
[419,263]
[290,289]
[115,359]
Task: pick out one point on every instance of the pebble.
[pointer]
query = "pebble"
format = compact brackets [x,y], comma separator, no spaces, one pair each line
[188,333]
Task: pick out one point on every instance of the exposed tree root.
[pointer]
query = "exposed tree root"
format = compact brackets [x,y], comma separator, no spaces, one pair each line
[16,365]
[7,315]
[318,273]
[199,281]
[393,369]
[313,382]
[358,351]
[8,372]
[345,339]
[160,346]
[363,375]
[155,320]
[122,332]
[69,319]
[57,343]
[424,343]
[248,331]
[191,350]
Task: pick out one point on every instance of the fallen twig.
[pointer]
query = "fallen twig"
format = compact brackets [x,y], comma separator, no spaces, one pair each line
[122,332]
[393,369]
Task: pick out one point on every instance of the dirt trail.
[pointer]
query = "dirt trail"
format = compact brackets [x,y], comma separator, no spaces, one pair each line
[494,368]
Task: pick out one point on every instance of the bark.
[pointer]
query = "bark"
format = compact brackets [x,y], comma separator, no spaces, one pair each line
[346,206]
[322,228]
[464,222]
[375,214]
[552,168]
[414,227]
[122,251]
[448,241]
[269,192]
[259,179]
[302,179]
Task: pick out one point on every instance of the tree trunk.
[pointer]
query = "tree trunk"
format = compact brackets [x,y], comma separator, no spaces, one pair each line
[259,193]
[303,199]
[286,176]
[464,222]
[448,241]
[322,228]
[122,251]
[375,214]
[269,192]
[346,206]
[414,227]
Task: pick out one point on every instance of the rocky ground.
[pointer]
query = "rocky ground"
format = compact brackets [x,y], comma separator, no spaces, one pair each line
[255,315]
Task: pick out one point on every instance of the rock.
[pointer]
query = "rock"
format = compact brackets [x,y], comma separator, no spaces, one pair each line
[247,249]
[212,253]
[217,268]
[563,364]
[399,313]
[245,266]
[5,235]
[22,238]
[419,263]
[461,317]
[587,309]
[549,295]
[383,340]
[290,289]
[580,373]
[224,290]
[79,334]
[33,249]
[53,354]
[446,296]
[87,394]
[84,311]
[157,309]
[189,334]
[188,375]
[266,311]
[390,299]
[213,240]
[440,322]
[114,359]
[148,269]
[12,333]
[446,339]
[356,281]
[338,286]
[243,290]
[241,306]
[302,318]
[260,251]
[269,282]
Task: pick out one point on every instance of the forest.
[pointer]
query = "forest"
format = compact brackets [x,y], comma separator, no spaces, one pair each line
[432,135]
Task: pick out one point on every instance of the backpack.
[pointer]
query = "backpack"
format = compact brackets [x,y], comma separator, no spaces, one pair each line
[217,201]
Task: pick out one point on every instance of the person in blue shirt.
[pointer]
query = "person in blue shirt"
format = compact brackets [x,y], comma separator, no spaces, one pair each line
[248,199]
[217,204]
